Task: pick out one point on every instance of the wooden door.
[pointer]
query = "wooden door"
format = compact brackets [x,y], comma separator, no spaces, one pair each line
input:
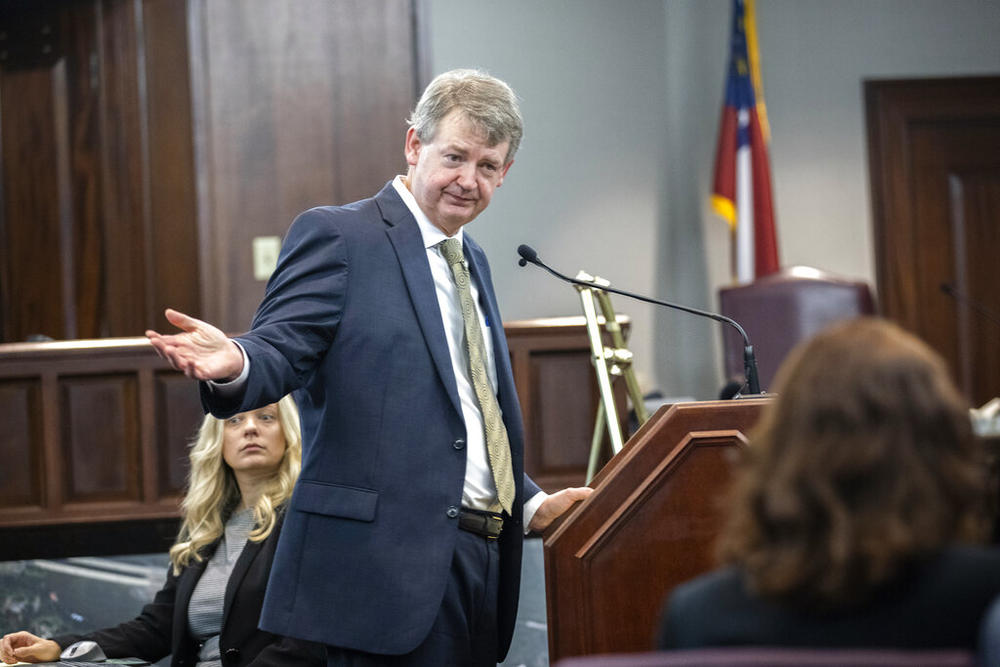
[934,150]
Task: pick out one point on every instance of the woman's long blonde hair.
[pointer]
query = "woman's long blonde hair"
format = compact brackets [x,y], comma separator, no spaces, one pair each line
[213,493]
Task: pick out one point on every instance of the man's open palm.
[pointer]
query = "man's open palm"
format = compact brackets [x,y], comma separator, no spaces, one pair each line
[201,352]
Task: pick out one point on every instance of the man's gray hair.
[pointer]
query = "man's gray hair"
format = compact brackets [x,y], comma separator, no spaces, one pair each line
[488,102]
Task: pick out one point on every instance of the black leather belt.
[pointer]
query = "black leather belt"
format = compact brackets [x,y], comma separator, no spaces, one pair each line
[487,524]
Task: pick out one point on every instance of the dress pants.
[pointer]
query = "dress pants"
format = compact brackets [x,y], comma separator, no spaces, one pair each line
[465,630]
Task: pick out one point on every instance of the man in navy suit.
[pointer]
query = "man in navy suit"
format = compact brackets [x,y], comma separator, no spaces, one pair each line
[397,547]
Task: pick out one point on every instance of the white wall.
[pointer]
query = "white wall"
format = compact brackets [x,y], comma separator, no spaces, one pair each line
[622,101]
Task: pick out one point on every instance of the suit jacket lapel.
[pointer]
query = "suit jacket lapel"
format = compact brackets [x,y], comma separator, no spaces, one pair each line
[404,234]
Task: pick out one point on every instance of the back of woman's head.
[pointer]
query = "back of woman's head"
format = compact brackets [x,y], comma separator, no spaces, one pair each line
[864,462]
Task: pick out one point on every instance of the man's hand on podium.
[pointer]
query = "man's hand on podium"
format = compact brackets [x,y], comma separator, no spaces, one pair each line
[555,505]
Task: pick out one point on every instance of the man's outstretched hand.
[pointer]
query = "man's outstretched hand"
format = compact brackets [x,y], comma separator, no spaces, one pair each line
[555,505]
[201,352]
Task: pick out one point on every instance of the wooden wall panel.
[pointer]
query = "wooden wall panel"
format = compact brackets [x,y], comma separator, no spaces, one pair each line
[82,192]
[20,414]
[124,184]
[69,152]
[178,415]
[89,416]
[33,300]
[146,143]
[561,415]
[174,269]
[297,105]
[100,438]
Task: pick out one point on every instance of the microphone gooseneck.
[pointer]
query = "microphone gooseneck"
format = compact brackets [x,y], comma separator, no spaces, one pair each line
[529,255]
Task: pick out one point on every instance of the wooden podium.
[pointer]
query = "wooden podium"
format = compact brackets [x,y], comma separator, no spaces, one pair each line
[650,524]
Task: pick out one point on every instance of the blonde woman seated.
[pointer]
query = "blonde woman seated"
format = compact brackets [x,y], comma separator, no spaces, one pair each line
[243,470]
[850,523]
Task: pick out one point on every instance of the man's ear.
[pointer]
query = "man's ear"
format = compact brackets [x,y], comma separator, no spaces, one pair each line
[412,147]
[503,173]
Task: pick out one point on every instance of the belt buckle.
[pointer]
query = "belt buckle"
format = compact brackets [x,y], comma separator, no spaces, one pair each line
[494,526]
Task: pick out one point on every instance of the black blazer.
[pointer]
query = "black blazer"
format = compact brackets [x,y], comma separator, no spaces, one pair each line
[162,627]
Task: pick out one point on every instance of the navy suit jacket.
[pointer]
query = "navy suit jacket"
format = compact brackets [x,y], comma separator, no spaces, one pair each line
[162,627]
[351,320]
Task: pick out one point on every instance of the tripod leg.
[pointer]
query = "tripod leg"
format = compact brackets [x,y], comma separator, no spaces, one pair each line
[595,443]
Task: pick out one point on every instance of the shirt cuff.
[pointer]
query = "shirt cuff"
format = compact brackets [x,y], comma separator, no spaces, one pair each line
[235,386]
[530,507]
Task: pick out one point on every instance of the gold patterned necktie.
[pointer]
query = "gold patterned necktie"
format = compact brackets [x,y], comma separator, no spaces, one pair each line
[497,445]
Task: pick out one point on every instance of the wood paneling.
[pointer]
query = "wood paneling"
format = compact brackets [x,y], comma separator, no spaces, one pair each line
[934,149]
[176,413]
[74,174]
[33,299]
[174,270]
[95,431]
[20,414]
[146,143]
[100,438]
[124,172]
[299,104]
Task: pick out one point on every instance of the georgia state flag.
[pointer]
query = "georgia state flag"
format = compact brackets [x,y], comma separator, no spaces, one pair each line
[742,190]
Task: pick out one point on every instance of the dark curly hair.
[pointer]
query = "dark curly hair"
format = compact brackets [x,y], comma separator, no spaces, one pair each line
[865,462]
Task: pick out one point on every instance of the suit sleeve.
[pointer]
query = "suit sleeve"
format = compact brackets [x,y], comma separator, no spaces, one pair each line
[147,636]
[530,488]
[298,318]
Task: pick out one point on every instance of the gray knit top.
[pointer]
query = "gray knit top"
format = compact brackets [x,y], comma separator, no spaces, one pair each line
[207,600]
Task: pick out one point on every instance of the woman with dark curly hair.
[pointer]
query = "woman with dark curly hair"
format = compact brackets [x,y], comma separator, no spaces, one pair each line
[851,519]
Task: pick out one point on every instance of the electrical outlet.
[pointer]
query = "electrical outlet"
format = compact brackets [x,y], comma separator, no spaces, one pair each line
[265,256]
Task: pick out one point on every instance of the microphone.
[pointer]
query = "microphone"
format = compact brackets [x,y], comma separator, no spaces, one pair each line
[528,255]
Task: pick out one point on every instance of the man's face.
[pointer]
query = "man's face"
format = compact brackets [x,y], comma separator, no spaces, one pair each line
[453,176]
